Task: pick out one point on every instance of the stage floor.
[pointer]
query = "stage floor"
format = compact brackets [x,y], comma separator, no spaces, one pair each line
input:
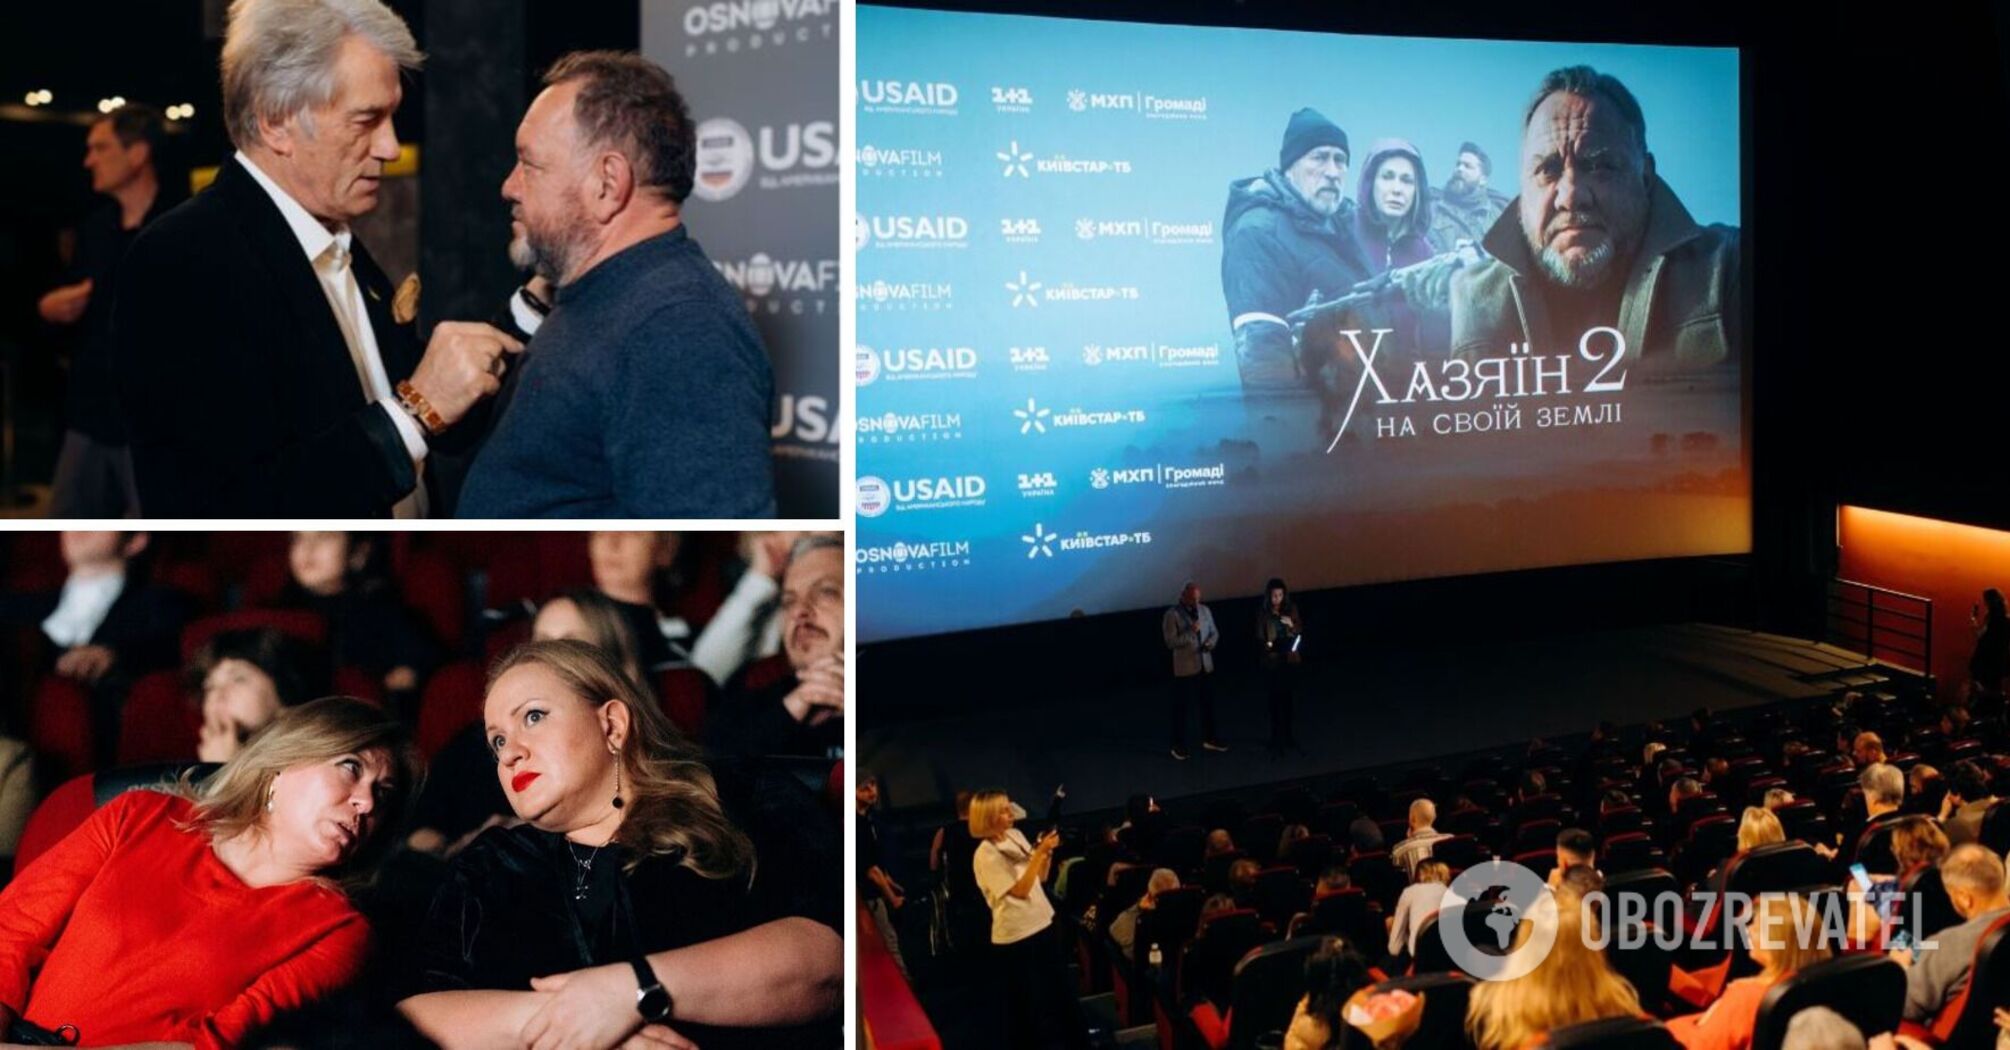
[1364,711]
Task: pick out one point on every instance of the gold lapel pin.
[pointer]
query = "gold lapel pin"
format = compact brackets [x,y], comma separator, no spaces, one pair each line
[405,304]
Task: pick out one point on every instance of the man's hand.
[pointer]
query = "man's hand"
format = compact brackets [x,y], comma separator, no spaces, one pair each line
[589,1009]
[86,663]
[462,366]
[768,552]
[819,695]
[66,304]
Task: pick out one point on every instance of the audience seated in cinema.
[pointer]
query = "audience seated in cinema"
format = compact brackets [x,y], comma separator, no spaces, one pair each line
[1417,845]
[246,678]
[1779,944]
[1969,797]
[265,851]
[345,577]
[1332,975]
[253,664]
[462,798]
[1974,878]
[1572,984]
[748,623]
[1124,928]
[624,815]
[1418,904]
[105,627]
[802,712]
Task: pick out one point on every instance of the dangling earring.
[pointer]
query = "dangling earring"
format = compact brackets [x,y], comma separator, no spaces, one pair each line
[617,774]
[270,790]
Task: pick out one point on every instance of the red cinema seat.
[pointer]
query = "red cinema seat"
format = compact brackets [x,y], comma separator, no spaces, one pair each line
[451,702]
[306,626]
[59,726]
[160,722]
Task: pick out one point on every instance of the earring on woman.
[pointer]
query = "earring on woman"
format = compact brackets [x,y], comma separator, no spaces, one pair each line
[270,790]
[616,752]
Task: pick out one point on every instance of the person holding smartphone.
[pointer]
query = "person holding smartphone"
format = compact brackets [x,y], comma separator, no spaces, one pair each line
[1040,1009]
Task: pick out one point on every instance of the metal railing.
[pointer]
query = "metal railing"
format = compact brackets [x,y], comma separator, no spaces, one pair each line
[1887,626]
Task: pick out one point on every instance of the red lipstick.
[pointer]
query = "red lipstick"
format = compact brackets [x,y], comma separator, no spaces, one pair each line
[522,780]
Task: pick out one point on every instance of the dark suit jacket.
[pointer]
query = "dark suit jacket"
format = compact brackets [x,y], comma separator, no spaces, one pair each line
[242,399]
[143,627]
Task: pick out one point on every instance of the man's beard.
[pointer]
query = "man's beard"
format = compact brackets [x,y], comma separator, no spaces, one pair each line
[551,258]
[1458,187]
[1590,270]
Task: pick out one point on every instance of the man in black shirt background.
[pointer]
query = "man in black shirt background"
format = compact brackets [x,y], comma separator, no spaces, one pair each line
[94,470]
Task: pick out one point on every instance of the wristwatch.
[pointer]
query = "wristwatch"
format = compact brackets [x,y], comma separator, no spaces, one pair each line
[651,1001]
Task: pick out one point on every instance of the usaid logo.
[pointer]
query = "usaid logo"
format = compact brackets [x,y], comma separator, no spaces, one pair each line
[927,363]
[881,162]
[865,365]
[913,231]
[725,161]
[888,428]
[873,497]
[905,295]
[904,556]
[876,496]
[795,286]
[795,156]
[908,97]
[803,422]
[910,494]
[727,157]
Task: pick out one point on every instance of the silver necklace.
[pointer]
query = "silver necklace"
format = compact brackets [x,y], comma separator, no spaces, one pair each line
[585,869]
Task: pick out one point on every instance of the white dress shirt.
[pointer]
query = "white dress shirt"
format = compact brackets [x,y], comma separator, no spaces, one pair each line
[329,253]
[85,603]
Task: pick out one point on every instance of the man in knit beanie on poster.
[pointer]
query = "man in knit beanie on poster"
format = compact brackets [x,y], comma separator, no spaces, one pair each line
[1287,233]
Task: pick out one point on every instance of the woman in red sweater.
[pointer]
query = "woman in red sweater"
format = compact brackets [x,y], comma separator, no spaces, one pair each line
[1786,935]
[193,915]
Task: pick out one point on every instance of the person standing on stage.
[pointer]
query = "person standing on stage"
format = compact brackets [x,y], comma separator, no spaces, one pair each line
[1040,1008]
[1189,632]
[1279,630]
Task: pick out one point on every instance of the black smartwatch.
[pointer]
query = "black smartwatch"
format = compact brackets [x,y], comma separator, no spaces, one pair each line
[651,1001]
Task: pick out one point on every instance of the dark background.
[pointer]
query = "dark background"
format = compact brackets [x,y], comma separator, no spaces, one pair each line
[1872,235]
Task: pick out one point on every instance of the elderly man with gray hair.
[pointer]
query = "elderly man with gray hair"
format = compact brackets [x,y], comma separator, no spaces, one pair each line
[801,711]
[1975,879]
[267,365]
[646,392]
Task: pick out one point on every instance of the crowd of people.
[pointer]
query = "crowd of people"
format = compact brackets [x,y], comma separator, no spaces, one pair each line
[301,856]
[1861,825]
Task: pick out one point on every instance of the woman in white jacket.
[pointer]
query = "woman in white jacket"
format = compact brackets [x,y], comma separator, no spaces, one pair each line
[1040,1009]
